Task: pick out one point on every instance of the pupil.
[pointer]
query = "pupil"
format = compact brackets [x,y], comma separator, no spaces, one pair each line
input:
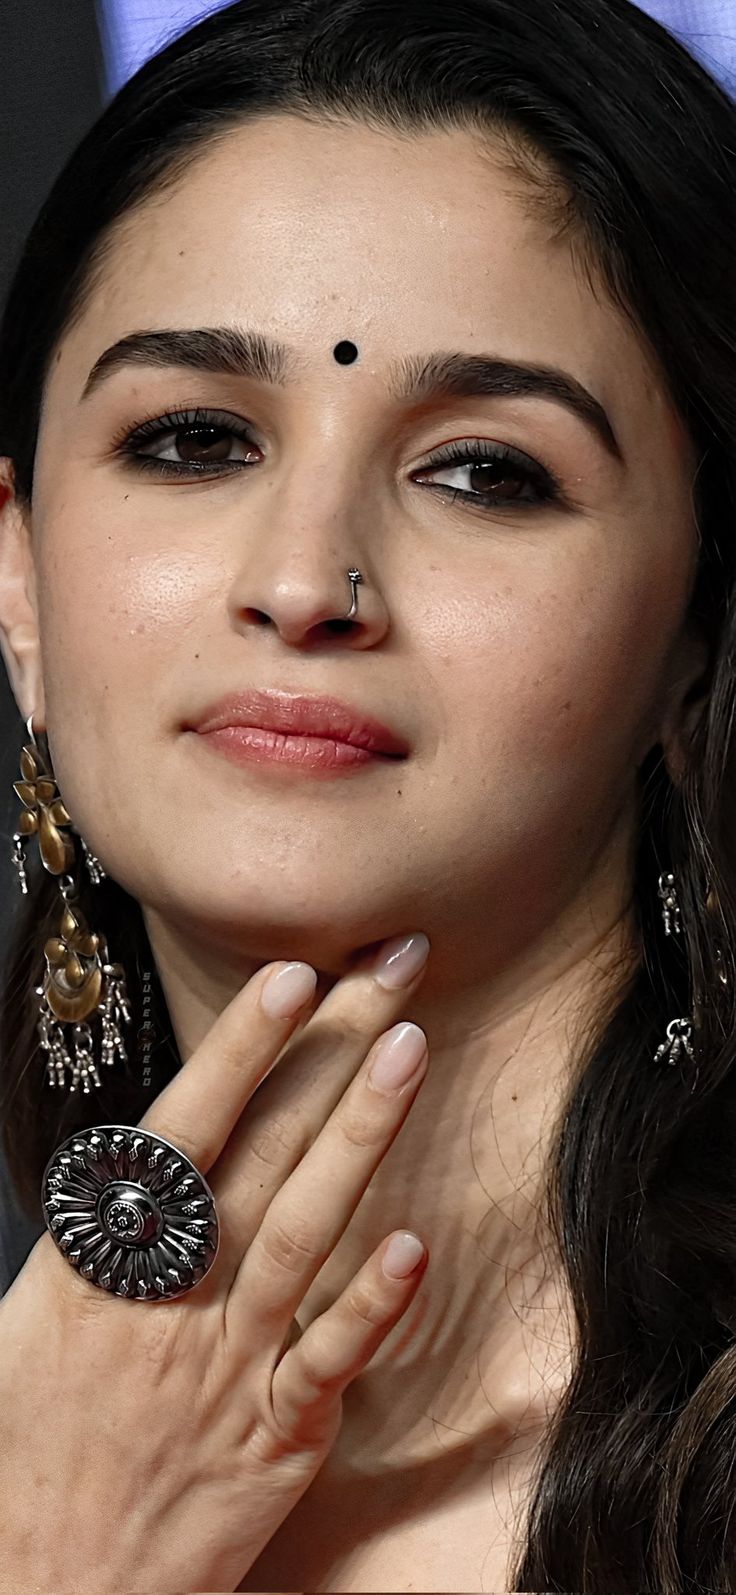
[195,438]
[485,480]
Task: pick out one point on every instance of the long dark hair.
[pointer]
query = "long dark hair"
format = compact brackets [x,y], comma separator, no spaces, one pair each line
[628,147]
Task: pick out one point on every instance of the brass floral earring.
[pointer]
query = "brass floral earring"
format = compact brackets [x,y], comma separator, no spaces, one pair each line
[79,981]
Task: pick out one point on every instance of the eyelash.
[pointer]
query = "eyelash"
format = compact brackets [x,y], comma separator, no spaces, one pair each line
[464,452]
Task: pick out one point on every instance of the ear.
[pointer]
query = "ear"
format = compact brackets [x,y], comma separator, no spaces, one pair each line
[19,630]
[686,698]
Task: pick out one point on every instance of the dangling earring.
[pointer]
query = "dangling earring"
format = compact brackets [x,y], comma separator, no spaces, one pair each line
[679,1040]
[670,906]
[79,979]
[679,1031]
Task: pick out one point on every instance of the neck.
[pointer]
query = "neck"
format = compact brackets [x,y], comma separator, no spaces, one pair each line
[486,1343]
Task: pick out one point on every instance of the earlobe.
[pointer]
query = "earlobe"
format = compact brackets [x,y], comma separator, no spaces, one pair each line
[19,632]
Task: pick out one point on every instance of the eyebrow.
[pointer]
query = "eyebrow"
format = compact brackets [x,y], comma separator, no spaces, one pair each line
[416,378]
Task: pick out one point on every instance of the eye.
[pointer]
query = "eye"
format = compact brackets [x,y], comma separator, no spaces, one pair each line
[496,476]
[200,443]
[202,439]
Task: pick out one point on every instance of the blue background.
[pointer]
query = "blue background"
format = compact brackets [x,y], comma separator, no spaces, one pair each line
[133,29]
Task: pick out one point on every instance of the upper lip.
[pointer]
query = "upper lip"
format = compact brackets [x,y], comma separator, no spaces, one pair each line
[298,715]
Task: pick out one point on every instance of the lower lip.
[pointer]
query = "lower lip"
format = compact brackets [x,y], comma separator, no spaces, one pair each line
[319,755]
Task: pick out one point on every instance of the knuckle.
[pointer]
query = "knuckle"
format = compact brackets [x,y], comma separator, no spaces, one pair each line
[301,1442]
[289,1245]
[230,1054]
[343,1030]
[313,1371]
[365,1305]
[359,1126]
[275,1142]
[351,1028]
[269,1443]
[234,1053]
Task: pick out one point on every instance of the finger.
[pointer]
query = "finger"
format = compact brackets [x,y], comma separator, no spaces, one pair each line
[312,1209]
[310,1379]
[199,1107]
[291,1106]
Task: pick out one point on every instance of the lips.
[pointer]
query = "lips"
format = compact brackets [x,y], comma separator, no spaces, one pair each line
[296,715]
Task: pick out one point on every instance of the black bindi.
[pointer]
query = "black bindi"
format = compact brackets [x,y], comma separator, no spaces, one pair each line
[345,352]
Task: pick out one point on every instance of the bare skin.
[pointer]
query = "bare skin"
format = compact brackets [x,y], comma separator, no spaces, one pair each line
[530,654]
[227,1411]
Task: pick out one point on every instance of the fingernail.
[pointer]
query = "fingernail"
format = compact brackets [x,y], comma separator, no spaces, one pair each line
[398,1056]
[288,990]
[403,1253]
[401,959]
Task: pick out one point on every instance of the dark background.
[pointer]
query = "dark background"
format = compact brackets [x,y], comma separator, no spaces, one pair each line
[52,88]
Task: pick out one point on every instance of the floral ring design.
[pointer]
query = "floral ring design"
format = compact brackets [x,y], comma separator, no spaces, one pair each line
[130,1212]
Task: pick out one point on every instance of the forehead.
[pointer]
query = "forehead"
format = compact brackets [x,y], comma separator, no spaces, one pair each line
[315,231]
[389,239]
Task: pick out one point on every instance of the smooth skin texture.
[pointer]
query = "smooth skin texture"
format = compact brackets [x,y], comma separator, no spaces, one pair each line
[531,654]
[220,1412]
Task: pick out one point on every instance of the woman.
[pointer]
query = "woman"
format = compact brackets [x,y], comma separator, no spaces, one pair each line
[383,354]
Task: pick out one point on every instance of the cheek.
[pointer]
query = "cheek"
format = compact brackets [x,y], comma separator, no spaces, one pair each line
[123,606]
[118,627]
[562,682]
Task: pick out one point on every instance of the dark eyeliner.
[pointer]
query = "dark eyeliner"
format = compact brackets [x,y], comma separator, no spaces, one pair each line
[126,442]
[548,489]
[472,451]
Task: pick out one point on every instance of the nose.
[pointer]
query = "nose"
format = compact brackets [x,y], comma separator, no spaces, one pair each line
[312,599]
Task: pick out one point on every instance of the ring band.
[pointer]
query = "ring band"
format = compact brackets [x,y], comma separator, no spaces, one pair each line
[129,1216]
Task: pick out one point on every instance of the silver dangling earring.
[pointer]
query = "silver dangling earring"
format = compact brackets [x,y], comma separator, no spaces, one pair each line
[147,1031]
[96,872]
[679,1040]
[679,1031]
[79,980]
[670,906]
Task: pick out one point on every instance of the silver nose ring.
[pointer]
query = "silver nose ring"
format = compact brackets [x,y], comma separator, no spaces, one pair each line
[354,577]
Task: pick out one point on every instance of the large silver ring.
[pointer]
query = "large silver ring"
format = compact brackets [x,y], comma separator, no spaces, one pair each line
[130,1212]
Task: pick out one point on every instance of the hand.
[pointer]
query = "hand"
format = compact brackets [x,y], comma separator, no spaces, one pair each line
[159,1446]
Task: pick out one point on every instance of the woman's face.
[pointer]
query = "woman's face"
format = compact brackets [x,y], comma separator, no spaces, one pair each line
[523,644]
